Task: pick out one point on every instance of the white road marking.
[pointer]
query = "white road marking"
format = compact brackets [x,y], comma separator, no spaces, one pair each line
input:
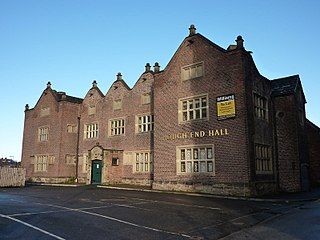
[33,227]
[179,204]
[122,221]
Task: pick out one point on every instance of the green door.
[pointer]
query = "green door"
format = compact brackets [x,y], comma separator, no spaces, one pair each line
[96,171]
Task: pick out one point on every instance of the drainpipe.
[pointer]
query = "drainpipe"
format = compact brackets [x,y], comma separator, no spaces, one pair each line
[77,150]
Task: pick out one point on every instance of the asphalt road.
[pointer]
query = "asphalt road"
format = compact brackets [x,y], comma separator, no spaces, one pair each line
[88,212]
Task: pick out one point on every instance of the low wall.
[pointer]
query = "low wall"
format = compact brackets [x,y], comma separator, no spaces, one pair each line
[12,177]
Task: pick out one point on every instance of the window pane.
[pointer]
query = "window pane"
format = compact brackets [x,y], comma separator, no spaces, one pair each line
[183,154]
[183,167]
[197,103]
[202,166]
[196,166]
[189,167]
[209,153]
[202,153]
[195,153]
[210,166]
[188,154]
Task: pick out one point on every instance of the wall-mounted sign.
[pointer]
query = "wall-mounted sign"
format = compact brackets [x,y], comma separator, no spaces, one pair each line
[226,107]
[197,134]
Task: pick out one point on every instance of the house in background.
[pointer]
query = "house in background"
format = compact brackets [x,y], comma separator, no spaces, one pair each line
[209,122]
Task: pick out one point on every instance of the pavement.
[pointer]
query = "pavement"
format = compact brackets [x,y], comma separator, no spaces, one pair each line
[311,195]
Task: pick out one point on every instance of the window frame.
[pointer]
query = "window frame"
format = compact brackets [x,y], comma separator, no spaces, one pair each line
[117,104]
[194,160]
[263,159]
[141,164]
[187,112]
[41,163]
[260,105]
[43,134]
[146,124]
[114,125]
[146,98]
[187,71]
[90,133]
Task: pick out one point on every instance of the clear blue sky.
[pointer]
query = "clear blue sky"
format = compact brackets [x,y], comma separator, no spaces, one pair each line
[73,42]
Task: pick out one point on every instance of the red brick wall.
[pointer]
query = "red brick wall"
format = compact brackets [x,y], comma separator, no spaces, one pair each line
[314,152]
[224,74]
[287,139]
[59,142]
[131,106]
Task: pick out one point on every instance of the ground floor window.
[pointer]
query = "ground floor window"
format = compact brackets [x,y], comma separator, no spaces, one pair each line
[41,163]
[197,159]
[143,162]
[263,159]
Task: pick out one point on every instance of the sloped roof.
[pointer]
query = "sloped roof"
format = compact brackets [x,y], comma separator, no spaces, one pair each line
[61,96]
[284,86]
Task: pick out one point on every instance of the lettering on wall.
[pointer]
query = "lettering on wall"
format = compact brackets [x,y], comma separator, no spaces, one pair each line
[197,134]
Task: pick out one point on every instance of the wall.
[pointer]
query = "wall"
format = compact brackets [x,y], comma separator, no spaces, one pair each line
[12,177]
[288,149]
[223,74]
[314,152]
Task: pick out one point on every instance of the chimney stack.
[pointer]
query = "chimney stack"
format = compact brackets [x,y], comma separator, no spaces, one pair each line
[156,67]
[192,30]
[119,76]
[148,67]
[239,42]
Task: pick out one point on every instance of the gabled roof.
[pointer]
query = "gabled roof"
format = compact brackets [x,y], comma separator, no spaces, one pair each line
[61,96]
[284,86]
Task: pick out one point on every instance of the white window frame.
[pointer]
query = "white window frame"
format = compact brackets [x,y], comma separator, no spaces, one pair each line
[117,127]
[193,108]
[192,71]
[196,160]
[91,131]
[143,162]
[43,134]
[144,123]
[41,163]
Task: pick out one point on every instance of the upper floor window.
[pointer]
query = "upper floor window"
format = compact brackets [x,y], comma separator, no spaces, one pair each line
[45,111]
[117,127]
[91,130]
[145,98]
[72,128]
[43,134]
[144,123]
[92,110]
[194,108]
[263,158]
[195,159]
[260,107]
[117,104]
[192,71]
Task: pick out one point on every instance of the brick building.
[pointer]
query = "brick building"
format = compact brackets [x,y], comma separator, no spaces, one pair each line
[209,122]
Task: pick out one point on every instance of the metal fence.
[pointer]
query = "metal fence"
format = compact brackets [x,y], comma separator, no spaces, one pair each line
[12,177]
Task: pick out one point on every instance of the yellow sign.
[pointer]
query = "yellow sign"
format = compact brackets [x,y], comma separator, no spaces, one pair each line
[226,107]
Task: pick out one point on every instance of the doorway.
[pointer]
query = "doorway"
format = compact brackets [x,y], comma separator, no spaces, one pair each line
[96,172]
